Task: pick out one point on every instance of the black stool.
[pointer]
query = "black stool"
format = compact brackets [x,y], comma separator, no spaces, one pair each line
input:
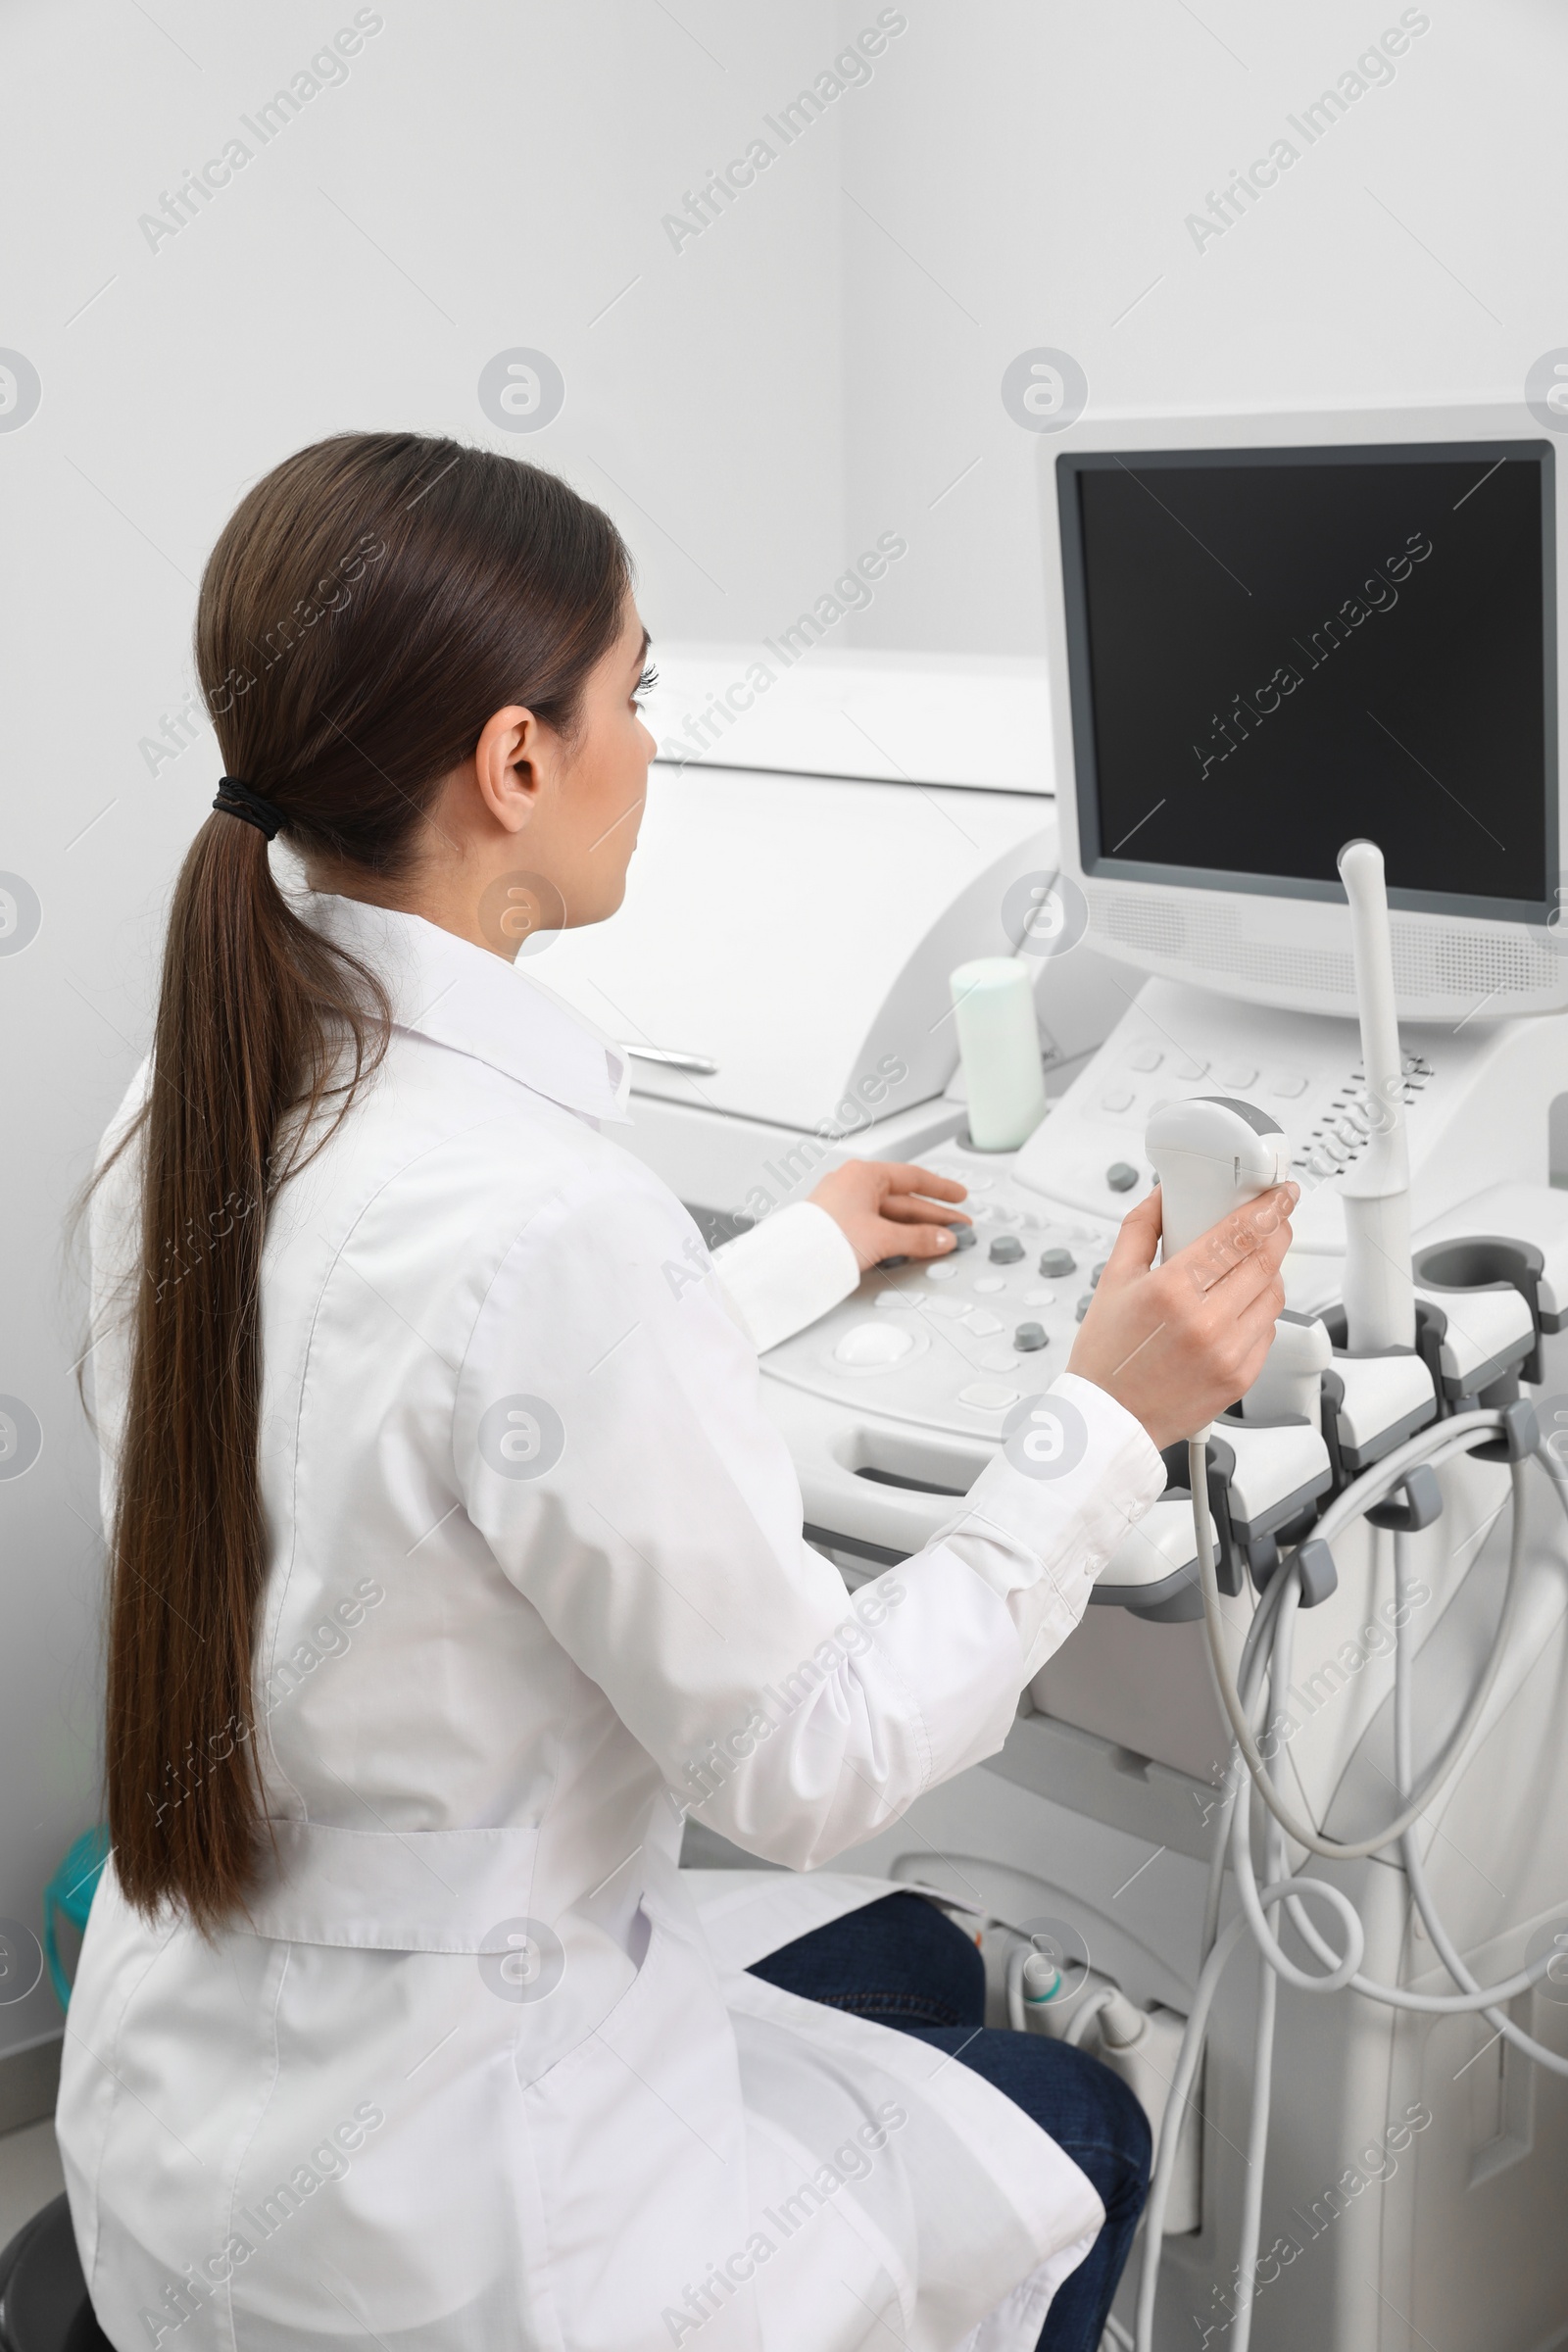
[43,2301]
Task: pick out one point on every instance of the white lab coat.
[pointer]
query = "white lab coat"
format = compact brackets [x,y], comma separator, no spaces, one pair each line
[475,2073]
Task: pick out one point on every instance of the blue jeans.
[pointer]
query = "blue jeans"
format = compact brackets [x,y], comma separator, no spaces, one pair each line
[904,1963]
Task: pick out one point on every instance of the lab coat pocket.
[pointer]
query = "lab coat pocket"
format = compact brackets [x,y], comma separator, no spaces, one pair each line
[638,2149]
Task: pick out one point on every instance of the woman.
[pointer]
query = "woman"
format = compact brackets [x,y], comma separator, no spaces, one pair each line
[454,1560]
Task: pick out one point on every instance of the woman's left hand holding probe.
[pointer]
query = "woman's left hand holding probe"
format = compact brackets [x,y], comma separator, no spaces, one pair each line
[890,1208]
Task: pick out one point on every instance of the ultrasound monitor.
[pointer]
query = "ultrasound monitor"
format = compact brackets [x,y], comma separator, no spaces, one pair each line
[1270,635]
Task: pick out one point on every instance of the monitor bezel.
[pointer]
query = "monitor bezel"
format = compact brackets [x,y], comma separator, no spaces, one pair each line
[1097,864]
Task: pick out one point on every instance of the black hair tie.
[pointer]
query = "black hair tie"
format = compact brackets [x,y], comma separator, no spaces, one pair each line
[235,799]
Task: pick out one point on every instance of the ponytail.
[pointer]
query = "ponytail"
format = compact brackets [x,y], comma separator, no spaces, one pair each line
[253,1006]
[470,582]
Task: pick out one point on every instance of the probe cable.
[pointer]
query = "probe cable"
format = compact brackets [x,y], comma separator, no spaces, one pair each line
[1456,1436]
[1272,1628]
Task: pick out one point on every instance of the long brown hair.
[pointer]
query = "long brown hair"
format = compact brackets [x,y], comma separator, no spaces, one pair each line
[367,607]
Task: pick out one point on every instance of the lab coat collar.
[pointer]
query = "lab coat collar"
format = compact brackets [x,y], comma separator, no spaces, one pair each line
[461,996]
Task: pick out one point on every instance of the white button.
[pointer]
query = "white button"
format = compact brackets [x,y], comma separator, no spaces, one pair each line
[1146,1057]
[984,1324]
[986,1397]
[989,1283]
[976,1184]
[939,1273]
[945,1307]
[1188,1066]
[874,1343]
[997,1359]
[1237,1073]
[1005,1216]
[1120,1098]
[1287,1084]
[1037,1297]
[894,1298]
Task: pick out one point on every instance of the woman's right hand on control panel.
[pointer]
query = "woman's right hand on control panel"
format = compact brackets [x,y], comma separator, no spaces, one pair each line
[1176,1343]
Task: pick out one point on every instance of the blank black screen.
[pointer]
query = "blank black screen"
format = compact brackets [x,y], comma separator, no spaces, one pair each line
[1274,651]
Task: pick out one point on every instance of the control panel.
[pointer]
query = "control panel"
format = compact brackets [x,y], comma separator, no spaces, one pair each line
[954,1343]
[951,1348]
[1305,1070]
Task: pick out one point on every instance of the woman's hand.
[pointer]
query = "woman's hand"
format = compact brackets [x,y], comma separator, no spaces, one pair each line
[1176,1343]
[886,1209]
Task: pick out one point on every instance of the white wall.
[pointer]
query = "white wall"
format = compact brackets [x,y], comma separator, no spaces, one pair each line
[815,369]
[504,171]
[1038,163]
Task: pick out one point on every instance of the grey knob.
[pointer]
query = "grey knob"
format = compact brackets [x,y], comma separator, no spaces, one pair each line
[1085,1304]
[1120,1176]
[1005,1249]
[964,1237]
[1058,1263]
[1029,1336]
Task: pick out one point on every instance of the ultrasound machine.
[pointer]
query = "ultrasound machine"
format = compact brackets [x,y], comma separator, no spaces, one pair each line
[1269,837]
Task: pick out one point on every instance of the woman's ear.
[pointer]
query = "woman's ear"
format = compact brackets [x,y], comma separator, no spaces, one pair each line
[507,766]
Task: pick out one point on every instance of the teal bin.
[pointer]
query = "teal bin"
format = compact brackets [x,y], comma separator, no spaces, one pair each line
[68,1895]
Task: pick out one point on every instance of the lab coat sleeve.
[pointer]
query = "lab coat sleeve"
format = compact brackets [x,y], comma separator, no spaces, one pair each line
[786,1272]
[611,1445]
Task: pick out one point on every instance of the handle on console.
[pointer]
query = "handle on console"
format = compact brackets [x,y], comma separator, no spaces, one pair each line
[881,1525]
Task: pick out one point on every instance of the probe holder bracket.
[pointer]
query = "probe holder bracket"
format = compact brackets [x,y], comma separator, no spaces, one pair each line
[1487,1261]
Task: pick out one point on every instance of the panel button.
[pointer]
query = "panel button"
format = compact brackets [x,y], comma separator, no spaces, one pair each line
[894,1298]
[945,1307]
[1237,1074]
[1095,1272]
[964,1237]
[987,1285]
[942,1272]
[997,1360]
[1058,1263]
[1034,1299]
[1084,1304]
[1188,1066]
[1121,1176]
[1146,1057]
[987,1398]
[1120,1098]
[1007,1249]
[1287,1085]
[874,1343]
[1027,1337]
[983,1323]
